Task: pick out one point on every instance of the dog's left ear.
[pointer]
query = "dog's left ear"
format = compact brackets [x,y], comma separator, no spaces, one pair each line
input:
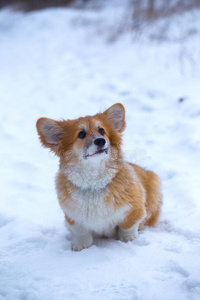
[115,115]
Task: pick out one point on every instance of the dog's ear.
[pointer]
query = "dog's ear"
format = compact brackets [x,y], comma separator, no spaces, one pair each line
[115,115]
[50,132]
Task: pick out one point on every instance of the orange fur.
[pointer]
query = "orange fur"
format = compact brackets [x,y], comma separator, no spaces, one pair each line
[69,220]
[129,188]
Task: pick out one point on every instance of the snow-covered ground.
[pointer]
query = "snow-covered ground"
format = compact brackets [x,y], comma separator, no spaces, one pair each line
[59,63]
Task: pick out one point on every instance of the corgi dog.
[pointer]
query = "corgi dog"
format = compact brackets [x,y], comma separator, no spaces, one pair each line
[99,192]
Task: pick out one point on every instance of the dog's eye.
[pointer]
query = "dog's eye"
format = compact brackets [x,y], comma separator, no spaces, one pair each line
[101,131]
[82,134]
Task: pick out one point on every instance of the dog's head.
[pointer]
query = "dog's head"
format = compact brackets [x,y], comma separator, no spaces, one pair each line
[86,138]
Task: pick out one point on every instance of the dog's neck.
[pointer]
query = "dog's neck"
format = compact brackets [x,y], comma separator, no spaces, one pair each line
[93,173]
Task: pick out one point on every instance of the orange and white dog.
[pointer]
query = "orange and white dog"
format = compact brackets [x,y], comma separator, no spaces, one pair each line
[97,189]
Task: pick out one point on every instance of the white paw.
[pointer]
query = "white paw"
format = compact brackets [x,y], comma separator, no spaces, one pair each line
[80,246]
[127,237]
[130,234]
[81,237]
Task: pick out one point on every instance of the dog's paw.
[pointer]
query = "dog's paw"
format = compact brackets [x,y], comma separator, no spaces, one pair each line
[127,237]
[81,237]
[80,246]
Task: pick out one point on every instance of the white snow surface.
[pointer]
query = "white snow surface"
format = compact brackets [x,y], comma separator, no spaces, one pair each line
[59,63]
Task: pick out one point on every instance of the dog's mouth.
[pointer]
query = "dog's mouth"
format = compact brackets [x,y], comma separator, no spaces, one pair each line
[98,152]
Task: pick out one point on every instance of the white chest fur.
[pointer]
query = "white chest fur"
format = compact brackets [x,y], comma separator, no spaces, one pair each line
[87,202]
[93,173]
[89,209]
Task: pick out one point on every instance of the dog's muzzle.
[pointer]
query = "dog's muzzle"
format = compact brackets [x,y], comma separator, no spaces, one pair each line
[98,146]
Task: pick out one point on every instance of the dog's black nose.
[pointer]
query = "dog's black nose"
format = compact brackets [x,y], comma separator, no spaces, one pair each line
[100,142]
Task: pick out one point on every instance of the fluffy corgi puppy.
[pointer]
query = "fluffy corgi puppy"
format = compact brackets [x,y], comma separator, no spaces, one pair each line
[99,192]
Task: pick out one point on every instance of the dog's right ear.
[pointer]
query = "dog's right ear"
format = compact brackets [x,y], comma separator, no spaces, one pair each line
[50,131]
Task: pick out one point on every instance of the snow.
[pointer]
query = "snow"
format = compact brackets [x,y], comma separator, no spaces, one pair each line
[60,63]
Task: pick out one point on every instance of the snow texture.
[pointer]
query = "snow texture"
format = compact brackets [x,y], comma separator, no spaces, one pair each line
[59,63]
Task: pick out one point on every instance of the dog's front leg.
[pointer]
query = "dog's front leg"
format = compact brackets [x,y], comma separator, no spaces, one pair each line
[81,237]
[129,234]
[128,229]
